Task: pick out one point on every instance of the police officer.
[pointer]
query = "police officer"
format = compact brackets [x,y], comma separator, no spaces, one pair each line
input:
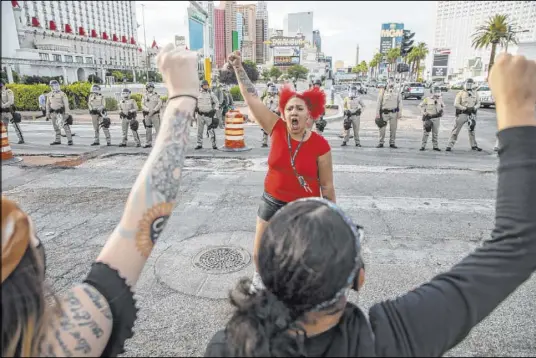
[272,102]
[151,104]
[58,111]
[388,110]
[353,107]
[466,103]
[96,105]
[432,110]
[207,106]
[218,92]
[321,123]
[128,110]
[8,111]
[227,104]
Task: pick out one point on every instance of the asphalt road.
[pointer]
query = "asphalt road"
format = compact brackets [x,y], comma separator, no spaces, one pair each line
[422,212]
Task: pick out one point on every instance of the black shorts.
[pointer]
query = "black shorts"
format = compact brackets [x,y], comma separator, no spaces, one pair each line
[269,206]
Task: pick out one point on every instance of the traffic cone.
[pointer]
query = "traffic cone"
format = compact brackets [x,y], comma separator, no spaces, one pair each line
[7,153]
[234,132]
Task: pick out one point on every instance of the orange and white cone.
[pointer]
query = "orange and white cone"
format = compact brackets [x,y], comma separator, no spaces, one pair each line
[7,153]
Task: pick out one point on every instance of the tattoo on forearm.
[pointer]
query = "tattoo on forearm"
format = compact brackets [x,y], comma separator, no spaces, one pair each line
[243,78]
[162,182]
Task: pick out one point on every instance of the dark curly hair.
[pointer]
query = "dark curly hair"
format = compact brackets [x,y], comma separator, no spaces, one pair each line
[305,258]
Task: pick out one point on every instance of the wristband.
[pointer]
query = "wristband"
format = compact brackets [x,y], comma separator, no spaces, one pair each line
[183,95]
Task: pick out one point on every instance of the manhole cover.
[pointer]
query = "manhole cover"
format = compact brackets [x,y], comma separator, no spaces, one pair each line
[222,259]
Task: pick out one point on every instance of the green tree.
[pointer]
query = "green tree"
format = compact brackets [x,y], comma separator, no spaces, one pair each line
[298,72]
[364,68]
[227,74]
[265,74]
[378,58]
[418,54]
[496,30]
[118,76]
[275,72]
[392,56]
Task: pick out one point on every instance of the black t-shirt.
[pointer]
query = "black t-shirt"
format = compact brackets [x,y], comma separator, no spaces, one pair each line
[435,317]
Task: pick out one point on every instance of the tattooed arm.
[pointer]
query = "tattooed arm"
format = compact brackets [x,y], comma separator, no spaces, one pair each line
[266,118]
[153,196]
[84,325]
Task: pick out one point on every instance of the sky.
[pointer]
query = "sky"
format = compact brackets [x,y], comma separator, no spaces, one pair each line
[342,25]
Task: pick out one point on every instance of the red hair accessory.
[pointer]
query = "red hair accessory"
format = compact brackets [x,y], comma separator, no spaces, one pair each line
[314,98]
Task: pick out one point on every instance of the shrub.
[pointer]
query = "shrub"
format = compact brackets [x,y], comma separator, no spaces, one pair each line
[27,96]
[164,99]
[137,98]
[78,94]
[94,79]
[111,104]
[235,93]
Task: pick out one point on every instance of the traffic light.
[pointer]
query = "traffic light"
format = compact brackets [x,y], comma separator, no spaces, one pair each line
[402,67]
[407,43]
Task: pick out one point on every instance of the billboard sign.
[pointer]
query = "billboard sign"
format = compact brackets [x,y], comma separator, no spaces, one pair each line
[441,60]
[180,41]
[196,35]
[286,60]
[194,15]
[282,41]
[439,72]
[286,51]
[391,35]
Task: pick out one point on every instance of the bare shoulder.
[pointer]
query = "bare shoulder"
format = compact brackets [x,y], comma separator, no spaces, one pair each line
[81,326]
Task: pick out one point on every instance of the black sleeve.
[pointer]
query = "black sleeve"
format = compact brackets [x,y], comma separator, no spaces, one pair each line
[435,317]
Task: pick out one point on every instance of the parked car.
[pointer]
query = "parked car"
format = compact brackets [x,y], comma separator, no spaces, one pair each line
[380,85]
[412,89]
[486,99]
[364,88]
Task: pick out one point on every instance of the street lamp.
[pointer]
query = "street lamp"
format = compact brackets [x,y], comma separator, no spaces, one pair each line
[145,40]
[510,33]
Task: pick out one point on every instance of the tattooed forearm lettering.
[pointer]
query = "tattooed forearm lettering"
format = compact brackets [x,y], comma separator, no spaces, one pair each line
[98,301]
[244,80]
[66,351]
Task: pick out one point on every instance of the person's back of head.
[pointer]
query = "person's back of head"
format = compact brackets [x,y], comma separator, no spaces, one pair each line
[307,260]
[24,307]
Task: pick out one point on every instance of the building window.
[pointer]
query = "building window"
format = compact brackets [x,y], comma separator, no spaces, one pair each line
[68,58]
[79,59]
[89,60]
[56,58]
[44,56]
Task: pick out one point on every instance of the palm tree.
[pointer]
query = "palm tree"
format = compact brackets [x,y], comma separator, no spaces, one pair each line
[496,30]
[392,56]
[378,58]
[421,51]
[371,65]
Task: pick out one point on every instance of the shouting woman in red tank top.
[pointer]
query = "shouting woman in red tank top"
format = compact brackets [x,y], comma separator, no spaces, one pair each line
[299,163]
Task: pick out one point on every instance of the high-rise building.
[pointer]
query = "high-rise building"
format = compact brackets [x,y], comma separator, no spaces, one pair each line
[457,20]
[219,37]
[259,41]
[299,22]
[72,39]
[317,40]
[208,6]
[248,47]
[196,28]
[357,55]
[240,29]
[230,24]
[262,13]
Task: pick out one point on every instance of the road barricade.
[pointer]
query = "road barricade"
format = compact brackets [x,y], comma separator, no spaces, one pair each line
[7,153]
[234,132]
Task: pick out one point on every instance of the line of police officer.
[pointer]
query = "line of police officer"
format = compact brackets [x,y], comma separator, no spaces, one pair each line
[389,111]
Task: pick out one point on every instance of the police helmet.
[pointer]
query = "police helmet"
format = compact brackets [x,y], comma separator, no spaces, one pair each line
[95,89]
[54,85]
[149,85]
[317,83]
[269,84]
[204,83]
[272,89]
[469,84]
[125,93]
[436,90]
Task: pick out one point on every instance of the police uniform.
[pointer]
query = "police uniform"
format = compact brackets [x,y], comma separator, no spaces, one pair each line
[432,107]
[96,105]
[466,100]
[151,103]
[390,102]
[58,105]
[219,95]
[207,106]
[128,109]
[355,105]
[8,104]
[272,102]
